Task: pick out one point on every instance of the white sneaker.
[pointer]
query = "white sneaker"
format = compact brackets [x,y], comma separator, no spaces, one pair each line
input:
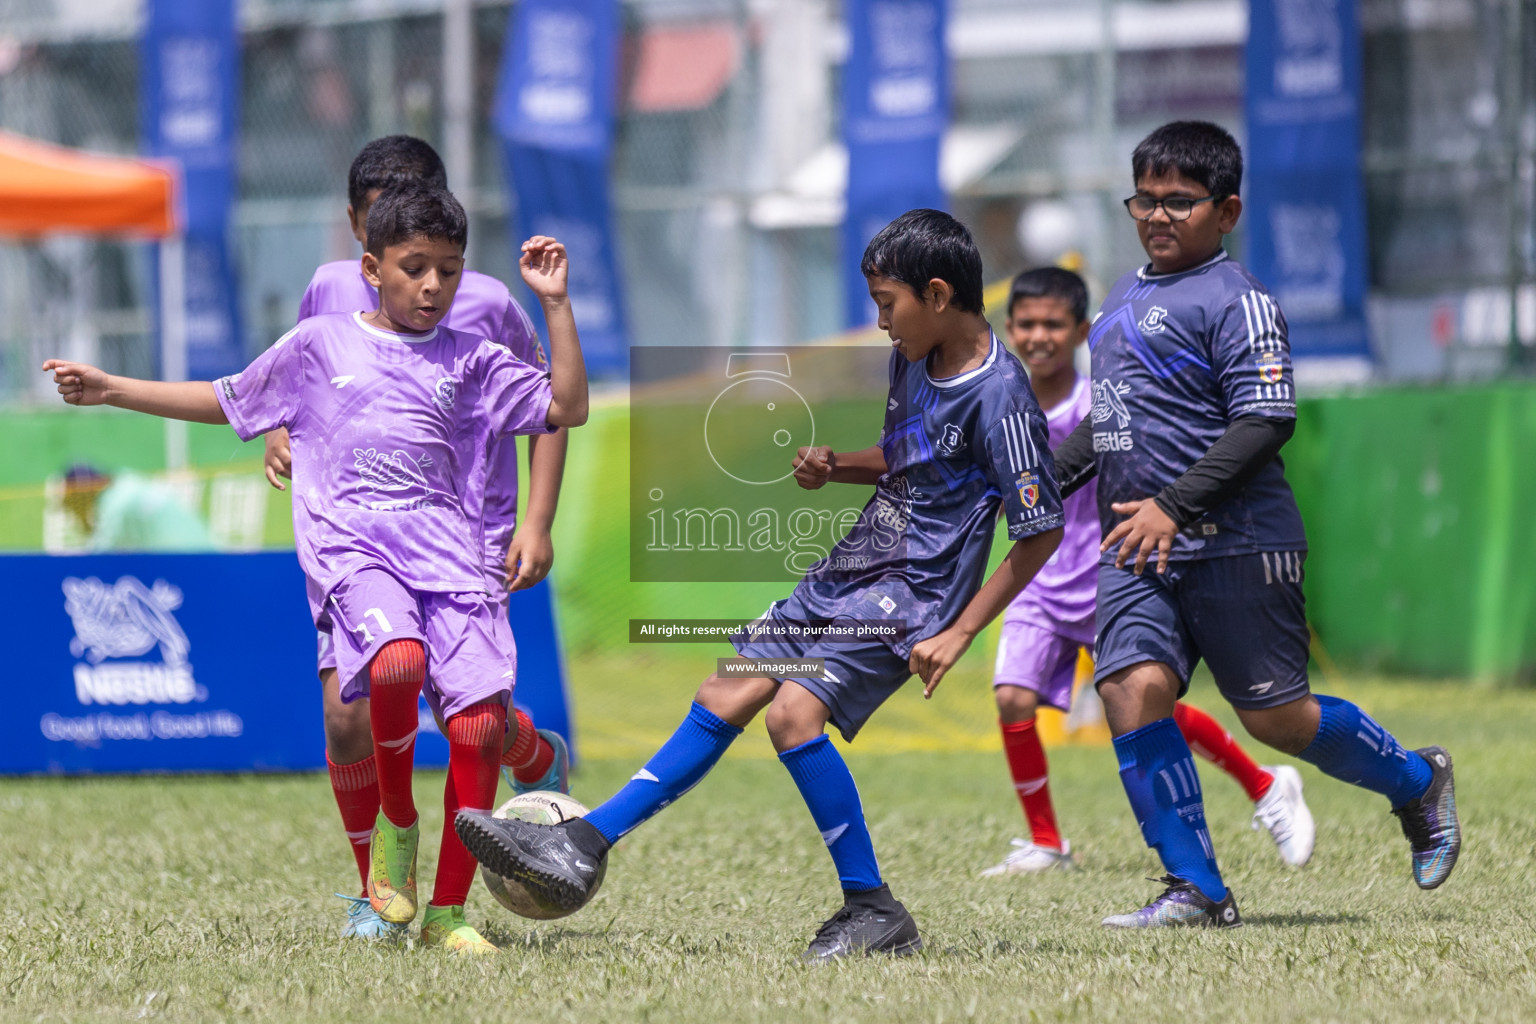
[1026,858]
[1283,811]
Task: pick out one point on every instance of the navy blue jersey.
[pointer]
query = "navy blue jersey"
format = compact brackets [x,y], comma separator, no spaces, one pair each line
[1176,358]
[955,449]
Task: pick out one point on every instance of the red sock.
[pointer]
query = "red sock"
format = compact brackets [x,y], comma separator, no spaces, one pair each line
[474,741]
[530,754]
[1026,761]
[1207,738]
[357,795]
[394,681]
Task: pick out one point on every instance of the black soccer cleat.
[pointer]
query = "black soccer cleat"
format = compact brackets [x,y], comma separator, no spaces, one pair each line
[873,922]
[1430,823]
[548,860]
[1181,904]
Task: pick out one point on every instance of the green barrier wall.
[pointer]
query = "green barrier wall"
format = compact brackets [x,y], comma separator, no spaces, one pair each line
[1410,499]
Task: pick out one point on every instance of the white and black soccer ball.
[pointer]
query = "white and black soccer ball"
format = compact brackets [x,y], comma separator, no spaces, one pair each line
[541,808]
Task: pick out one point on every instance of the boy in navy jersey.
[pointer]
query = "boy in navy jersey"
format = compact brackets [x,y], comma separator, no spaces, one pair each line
[1192,400]
[963,436]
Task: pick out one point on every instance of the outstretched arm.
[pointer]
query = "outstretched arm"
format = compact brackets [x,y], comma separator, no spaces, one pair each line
[192,400]
[544,267]
[933,657]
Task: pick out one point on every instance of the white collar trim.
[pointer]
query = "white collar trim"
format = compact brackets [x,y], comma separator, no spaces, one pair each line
[1062,407]
[956,381]
[409,339]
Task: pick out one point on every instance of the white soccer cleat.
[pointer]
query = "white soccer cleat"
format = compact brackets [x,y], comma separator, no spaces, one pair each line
[1027,858]
[1284,812]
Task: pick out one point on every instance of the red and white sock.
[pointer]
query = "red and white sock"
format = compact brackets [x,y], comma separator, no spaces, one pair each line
[395,677]
[1031,780]
[474,743]
[356,787]
[1207,738]
[530,754]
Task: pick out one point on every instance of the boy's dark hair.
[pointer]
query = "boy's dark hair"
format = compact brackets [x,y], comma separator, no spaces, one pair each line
[1051,283]
[414,210]
[921,245]
[393,160]
[1199,150]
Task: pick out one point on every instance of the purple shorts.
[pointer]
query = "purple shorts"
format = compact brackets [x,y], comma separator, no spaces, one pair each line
[471,656]
[325,647]
[1038,659]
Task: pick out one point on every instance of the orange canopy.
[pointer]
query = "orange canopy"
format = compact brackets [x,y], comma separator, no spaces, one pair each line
[46,188]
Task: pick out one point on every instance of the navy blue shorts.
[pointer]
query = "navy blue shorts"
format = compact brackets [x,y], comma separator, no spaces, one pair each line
[859,675]
[1244,614]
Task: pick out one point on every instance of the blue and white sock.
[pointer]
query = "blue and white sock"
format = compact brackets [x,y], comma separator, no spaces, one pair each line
[1351,747]
[829,791]
[680,764]
[1158,773]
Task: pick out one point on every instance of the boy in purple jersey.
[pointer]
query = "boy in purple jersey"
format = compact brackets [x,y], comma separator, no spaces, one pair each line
[1192,400]
[962,437]
[1044,627]
[390,413]
[516,555]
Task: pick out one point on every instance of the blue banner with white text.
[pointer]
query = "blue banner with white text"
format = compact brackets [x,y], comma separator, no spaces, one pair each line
[195,663]
[895,110]
[555,118]
[1304,194]
[189,94]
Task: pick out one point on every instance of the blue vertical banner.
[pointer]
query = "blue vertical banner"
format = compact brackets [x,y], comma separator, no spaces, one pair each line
[895,109]
[1305,195]
[555,118]
[189,102]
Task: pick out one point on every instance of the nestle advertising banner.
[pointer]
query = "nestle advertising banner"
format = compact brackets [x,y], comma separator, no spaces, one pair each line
[1304,192]
[166,663]
[555,115]
[189,101]
[895,109]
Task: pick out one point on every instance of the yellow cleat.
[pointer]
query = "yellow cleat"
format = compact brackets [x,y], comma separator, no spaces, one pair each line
[392,873]
[446,927]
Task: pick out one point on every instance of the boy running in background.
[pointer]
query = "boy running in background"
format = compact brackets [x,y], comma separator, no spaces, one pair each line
[390,414]
[1052,618]
[962,436]
[515,554]
[1193,399]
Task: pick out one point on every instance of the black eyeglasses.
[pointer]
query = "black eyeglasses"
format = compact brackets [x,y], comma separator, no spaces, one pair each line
[1176,207]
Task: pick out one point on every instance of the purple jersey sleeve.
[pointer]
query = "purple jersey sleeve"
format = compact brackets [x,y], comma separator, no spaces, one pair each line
[515,396]
[518,335]
[1017,461]
[1251,358]
[266,394]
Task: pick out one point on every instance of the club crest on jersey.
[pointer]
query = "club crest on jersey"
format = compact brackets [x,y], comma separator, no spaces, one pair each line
[1029,488]
[952,442]
[1154,321]
[445,393]
[1271,368]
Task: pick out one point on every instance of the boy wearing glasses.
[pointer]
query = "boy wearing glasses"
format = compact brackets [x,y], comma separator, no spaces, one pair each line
[1192,400]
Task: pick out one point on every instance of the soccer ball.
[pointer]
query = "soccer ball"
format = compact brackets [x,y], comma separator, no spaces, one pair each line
[541,808]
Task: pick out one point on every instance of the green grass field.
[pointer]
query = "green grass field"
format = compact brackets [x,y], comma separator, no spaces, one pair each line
[195,899]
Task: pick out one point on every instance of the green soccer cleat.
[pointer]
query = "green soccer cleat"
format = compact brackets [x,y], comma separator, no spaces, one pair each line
[556,780]
[392,874]
[446,927]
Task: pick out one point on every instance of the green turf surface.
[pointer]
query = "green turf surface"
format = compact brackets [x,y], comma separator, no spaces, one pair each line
[199,899]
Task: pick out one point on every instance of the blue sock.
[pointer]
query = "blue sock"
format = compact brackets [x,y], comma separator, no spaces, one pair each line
[827,787]
[1158,773]
[1352,748]
[673,770]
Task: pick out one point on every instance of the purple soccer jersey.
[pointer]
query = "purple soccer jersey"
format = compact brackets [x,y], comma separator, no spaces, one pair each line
[1060,597]
[386,429]
[484,308]
[1176,358]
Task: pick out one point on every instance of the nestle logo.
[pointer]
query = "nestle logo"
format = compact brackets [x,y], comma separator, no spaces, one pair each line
[136,682]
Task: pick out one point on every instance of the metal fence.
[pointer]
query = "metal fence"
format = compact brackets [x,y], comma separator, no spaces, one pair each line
[727,188]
